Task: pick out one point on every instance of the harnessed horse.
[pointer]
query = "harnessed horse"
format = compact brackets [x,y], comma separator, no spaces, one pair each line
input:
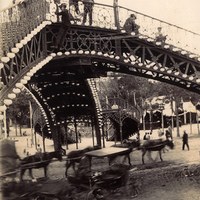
[38,160]
[75,156]
[127,143]
[155,146]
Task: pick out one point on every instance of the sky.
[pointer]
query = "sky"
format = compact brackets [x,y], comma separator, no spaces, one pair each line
[183,13]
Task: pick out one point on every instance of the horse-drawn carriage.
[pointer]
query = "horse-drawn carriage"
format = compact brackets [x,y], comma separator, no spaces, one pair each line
[13,168]
[84,179]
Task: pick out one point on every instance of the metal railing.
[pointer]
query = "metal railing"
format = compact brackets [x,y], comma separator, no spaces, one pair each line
[176,36]
[109,17]
[114,104]
[18,21]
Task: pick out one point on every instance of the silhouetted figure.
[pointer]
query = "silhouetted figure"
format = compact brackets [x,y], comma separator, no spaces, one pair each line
[185,140]
[130,25]
[66,18]
[146,136]
[79,136]
[169,128]
[75,4]
[159,35]
[167,135]
[88,10]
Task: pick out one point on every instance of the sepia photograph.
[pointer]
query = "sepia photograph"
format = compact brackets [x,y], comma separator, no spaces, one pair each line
[99,100]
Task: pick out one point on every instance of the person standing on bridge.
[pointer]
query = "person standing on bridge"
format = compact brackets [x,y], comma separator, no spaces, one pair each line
[75,4]
[130,25]
[159,36]
[88,10]
[185,140]
[66,18]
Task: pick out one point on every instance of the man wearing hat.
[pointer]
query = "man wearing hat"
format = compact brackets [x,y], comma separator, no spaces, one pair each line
[88,10]
[130,25]
[66,19]
[159,36]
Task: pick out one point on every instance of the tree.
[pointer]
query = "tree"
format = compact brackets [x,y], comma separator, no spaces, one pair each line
[19,112]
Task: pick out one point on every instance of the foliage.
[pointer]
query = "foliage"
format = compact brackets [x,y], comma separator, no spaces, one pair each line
[131,87]
[19,111]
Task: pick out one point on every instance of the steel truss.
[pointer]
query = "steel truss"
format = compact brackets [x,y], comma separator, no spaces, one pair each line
[136,55]
[27,57]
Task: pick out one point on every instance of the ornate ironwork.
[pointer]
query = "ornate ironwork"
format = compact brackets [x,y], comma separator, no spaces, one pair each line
[176,36]
[20,20]
[15,26]
[126,54]
[105,16]
[29,55]
[114,106]
[133,55]
[38,118]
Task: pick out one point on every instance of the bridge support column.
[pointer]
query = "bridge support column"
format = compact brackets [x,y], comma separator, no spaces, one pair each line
[98,132]
[56,137]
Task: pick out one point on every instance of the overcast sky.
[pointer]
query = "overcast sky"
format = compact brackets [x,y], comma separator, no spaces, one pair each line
[184,13]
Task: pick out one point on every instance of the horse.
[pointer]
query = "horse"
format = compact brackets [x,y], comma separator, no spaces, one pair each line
[155,145]
[126,143]
[38,160]
[75,156]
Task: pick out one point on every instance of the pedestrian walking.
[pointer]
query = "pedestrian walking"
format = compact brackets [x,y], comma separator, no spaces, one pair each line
[167,135]
[185,140]
[88,10]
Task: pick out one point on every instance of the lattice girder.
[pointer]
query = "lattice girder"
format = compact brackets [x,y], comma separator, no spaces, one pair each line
[146,58]
[27,57]
[109,51]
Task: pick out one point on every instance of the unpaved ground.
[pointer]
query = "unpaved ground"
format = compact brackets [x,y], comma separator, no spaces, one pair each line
[176,178]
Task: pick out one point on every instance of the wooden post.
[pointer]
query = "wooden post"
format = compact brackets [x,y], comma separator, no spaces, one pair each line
[150,120]
[190,122]
[120,125]
[43,141]
[177,118]
[35,140]
[1,129]
[103,135]
[92,132]
[66,136]
[76,131]
[197,118]
[143,119]
[5,124]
